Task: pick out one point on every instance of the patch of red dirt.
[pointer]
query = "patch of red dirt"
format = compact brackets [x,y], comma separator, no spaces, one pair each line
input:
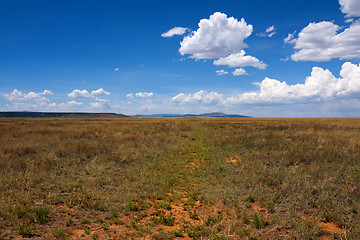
[259,209]
[233,159]
[331,228]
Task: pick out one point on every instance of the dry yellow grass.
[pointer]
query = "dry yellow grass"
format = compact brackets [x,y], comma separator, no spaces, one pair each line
[180,178]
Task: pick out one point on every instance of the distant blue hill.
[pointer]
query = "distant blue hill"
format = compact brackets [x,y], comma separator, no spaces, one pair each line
[205,115]
[27,114]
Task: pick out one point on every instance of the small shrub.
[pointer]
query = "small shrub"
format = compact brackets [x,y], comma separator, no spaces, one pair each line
[105,227]
[191,203]
[194,215]
[25,229]
[167,220]
[119,222]
[164,205]
[112,215]
[87,230]
[250,198]
[85,221]
[133,207]
[167,206]
[178,233]
[270,206]
[141,216]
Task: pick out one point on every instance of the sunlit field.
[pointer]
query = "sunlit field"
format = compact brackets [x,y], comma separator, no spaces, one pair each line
[180,179]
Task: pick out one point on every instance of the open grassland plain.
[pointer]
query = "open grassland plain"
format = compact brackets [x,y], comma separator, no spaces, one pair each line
[180,179]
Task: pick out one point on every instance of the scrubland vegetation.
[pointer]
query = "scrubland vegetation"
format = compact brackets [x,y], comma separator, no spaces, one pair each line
[180,179]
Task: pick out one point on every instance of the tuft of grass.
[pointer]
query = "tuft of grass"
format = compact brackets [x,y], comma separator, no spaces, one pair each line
[41,214]
[69,222]
[245,218]
[59,234]
[259,221]
[212,220]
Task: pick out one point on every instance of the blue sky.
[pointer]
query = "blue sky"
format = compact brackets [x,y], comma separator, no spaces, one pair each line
[260,58]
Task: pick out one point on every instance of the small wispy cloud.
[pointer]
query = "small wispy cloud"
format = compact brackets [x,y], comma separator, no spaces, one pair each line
[130,96]
[174,31]
[140,95]
[269,32]
[221,72]
[290,38]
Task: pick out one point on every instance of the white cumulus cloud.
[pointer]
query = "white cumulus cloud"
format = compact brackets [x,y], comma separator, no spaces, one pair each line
[97,105]
[140,95]
[221,72]
[239,72]
[322,42]
[46,92]
[72,104]
[144,94]
[99,92]
[76,93]
[240,60]
[200,97]
[350,7]
[175,31]
[216,37]
[321,84]
[16,95]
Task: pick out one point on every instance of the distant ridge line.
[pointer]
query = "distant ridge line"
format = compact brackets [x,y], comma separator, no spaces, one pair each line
[26,114]
[205,115]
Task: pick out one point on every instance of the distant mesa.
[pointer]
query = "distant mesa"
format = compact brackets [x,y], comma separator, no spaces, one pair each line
[26,114]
